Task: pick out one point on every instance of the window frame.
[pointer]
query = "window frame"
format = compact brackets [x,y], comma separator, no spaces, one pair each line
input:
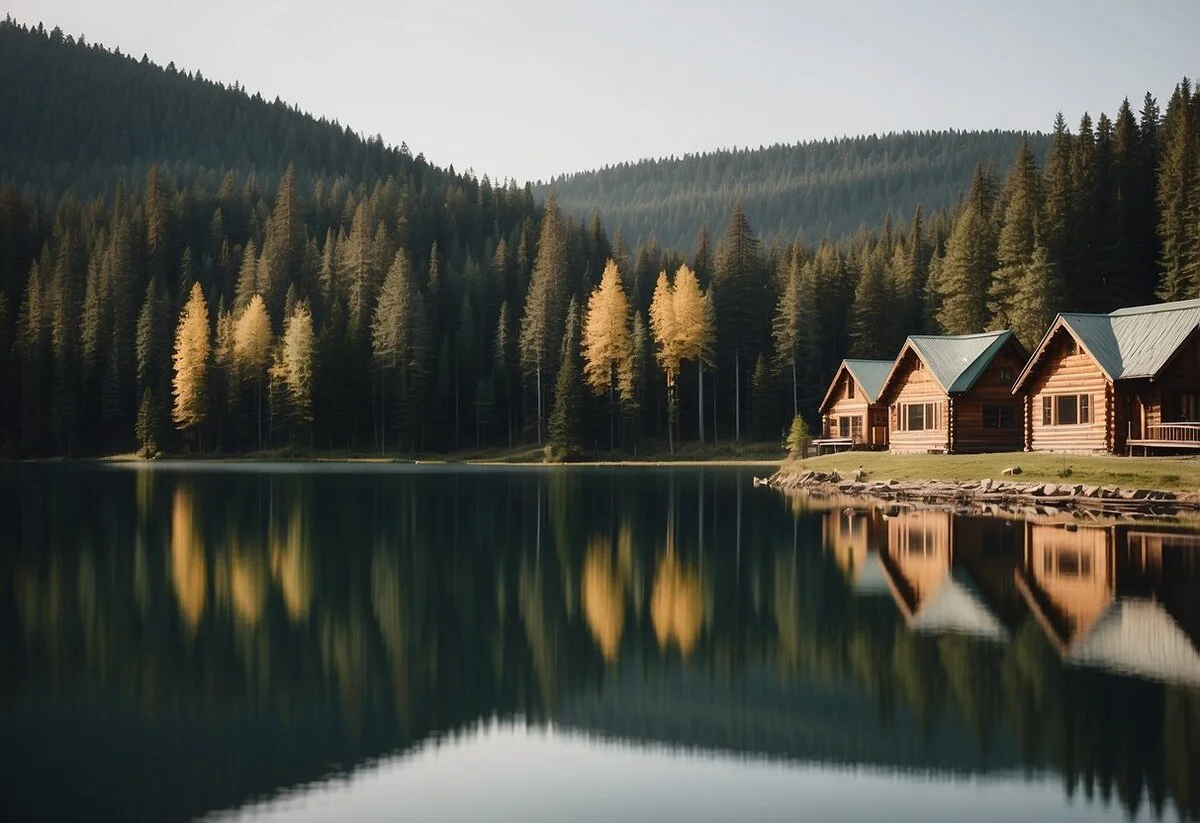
[1052,405]
[930,416]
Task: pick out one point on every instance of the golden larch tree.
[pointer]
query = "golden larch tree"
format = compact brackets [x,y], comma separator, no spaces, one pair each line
[694,329]
[293,368]
[191,361]
[665,328]
[607,348]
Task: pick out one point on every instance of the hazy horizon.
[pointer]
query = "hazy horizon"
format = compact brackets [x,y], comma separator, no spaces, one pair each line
[538,89]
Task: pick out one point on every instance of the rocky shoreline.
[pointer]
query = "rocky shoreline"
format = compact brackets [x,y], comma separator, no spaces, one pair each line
[983,495]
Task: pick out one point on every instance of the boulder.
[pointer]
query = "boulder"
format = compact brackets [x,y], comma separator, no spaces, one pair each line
[985,485]
[1011,471]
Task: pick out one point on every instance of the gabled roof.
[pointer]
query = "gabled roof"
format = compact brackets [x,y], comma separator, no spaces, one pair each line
[1139,637]
[868,374]
[955,361]
[957,607]
[872,577]
[1128,343]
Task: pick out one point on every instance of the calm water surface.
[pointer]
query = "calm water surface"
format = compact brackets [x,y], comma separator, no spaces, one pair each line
[395,643]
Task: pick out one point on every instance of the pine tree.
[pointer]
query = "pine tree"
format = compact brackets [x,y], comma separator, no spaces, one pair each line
[566,420]
[970,259]
[786,327]
[541,324]
[667,344]
[191,363]
[606,344]
[1035,297]
[1058,230]
[869,319]
[247,282]
[147,424]
[764,411]
[1018,236]
[396,333]
[1177,200]
[915,277]
[739,290]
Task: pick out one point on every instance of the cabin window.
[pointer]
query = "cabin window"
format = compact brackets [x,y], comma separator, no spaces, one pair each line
[1067,410]
[1005,374]
[1068,563]
[915,417]
[843,427]
[1189,408]
[999,417]
[850,389]
[856,427]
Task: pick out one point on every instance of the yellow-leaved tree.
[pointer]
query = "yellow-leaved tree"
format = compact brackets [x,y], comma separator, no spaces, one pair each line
[252,350]
[292,370]
[607,348]
[693,325]
[191,362]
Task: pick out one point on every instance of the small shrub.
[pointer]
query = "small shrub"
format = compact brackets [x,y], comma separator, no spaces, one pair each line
[1067,471]
[798,438]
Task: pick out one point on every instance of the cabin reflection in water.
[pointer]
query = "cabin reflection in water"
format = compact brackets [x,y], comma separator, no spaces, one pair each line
[1119,598]
[1116,597]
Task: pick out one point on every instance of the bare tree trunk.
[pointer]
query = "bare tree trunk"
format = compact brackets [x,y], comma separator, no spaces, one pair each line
[700,388]
[539,404]
[737,394]
[795,400]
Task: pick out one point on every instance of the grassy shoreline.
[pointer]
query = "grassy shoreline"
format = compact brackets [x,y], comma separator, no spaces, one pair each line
[766,455]
[1174,474]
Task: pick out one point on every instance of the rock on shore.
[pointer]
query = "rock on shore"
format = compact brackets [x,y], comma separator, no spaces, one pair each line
[1006,493]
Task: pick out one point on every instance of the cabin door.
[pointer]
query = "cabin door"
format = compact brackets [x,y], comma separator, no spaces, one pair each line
[1135,413]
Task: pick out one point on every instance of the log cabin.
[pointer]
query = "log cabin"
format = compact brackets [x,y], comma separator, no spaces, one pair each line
[850,413]
[1115,382]
[954,394]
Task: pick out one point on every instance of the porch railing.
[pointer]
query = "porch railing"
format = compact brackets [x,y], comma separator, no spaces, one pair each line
[1174,433]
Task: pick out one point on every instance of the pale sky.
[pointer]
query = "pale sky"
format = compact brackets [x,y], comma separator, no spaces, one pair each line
[531,88]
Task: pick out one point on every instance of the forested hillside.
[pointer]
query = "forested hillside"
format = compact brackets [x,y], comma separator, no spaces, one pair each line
[401,308]
[80,116]
[820,188]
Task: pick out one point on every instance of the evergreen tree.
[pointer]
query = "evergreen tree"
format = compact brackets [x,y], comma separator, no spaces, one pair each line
[396,334]
[872,306]
[764,416]
[739,291]
[1035,298]
[1018,236]
[541,324]
[295,363]
[1058,230]
[1177,200]
[786,327]
[147,425]
[566,420]
[965,273]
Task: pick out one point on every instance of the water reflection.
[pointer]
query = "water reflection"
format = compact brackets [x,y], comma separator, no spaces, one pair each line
[232,635]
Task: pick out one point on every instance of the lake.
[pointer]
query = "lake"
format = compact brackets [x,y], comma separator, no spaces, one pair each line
[387,642]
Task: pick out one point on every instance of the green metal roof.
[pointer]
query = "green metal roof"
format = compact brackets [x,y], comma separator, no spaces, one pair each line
[1135,342]
[956,362]
[870,375]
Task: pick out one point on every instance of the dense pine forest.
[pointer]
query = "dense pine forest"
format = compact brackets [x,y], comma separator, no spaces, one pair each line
[814,190]
[222,273]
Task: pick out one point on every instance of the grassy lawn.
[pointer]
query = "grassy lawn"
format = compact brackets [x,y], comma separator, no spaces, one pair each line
[1167,473]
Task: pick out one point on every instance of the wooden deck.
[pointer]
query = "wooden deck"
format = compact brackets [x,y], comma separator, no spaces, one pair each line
[1167,436]
[829,445]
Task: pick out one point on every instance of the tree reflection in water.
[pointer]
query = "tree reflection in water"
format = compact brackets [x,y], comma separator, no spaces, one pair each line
[264,625]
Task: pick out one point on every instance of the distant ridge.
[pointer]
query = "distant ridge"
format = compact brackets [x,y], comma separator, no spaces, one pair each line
[817,187]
